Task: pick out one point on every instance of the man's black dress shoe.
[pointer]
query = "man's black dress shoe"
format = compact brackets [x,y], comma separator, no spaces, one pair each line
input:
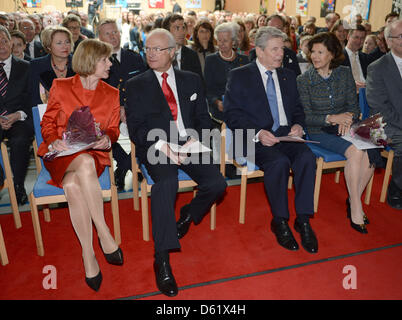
[394,196]
[283,235]
[184,222]
[119,177]
[308,238]
[20,194]
[95,282]
[165,280]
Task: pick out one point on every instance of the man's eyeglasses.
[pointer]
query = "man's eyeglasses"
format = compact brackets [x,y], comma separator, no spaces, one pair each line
[396,37]
[156,50]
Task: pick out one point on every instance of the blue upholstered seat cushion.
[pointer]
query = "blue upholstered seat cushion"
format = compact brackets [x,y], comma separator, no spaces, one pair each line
[182,175]
[43,189]
[327,155]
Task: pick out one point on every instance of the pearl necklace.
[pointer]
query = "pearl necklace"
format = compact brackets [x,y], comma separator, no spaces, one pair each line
[224,58]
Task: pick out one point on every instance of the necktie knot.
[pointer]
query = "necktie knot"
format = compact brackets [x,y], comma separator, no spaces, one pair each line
[164,75]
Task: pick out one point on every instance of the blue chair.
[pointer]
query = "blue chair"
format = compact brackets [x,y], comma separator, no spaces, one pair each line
[45,194]
[185,182]
[9,184]
[387,153]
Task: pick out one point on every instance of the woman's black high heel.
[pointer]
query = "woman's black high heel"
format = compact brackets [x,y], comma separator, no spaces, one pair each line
[358,227]
[95,282]
[115,258]
[349,212]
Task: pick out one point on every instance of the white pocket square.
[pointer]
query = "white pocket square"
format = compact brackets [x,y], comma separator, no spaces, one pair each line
[193,97]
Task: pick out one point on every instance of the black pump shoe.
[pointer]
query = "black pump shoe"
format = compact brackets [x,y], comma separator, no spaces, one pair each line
[95,282]
[349,212]
[115,258]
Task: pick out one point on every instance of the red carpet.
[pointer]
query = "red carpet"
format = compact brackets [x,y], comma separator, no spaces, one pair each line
[233,262]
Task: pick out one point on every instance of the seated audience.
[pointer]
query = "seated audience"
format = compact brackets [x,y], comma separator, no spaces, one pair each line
[218,65]
[73,23]
[341,33]
[34,48]
[370,43]
[57,41]
[328,95]
[19,45]
[203,41]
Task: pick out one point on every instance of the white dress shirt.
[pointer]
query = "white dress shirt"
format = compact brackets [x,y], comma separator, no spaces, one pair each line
[178,58]
[7,70]
[171,80]
[351,56]
[283,121]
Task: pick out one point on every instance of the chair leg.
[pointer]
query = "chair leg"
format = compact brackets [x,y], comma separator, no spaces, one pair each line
[10,183]
[114,201]
[368,191]
[144,210]
[318,176]
[387,174]
[3,251]
[337,176]
[213,216]
[46,213]
[243,192]
[36,225]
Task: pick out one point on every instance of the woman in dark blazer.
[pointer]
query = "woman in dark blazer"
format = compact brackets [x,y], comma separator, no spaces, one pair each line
[328,94]
[218,65]
[58,43]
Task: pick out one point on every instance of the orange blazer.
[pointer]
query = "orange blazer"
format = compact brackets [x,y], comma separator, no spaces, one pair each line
[68,94]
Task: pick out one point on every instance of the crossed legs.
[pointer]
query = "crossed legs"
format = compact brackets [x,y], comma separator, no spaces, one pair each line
[84,197]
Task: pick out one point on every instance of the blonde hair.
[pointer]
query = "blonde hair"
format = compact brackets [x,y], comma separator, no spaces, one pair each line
[48,34]
[88,54]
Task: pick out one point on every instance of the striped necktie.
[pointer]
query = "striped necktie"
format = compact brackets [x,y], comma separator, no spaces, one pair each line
[3,80]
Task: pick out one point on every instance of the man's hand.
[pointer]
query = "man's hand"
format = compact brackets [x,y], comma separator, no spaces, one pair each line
[296,131]
[12,117]
[267,138]
[170,154]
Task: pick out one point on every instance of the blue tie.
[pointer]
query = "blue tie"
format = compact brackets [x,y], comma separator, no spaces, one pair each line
[272,101]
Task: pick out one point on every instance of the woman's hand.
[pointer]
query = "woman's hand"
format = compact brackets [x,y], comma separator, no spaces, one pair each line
[58,145]
[103,143]
[344,120]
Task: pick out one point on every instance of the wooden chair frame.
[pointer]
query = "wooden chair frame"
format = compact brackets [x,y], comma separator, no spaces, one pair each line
[52,199]
[9,184]
[3,251]
[388,170]
[146,188]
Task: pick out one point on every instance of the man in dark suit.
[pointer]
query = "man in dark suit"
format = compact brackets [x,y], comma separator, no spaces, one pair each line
[186,58]
[171,104]
[289,56]
[263,97]
[15,107]
[34,48]
[355,59]
[384,95]
[126,64]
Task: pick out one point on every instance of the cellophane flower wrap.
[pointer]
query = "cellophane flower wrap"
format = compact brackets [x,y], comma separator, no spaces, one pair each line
[370,130]
[81,133]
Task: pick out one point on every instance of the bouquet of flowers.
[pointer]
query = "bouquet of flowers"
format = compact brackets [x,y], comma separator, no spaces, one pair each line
[81,133]
[370,130]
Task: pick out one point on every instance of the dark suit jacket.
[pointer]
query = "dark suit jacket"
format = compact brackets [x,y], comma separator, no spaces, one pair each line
[41,72]
[17,96]
[190,61]
[246,104]
[131,64]
[39,51]
[365,59]
[147,108]
[289,60]
[384,93]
